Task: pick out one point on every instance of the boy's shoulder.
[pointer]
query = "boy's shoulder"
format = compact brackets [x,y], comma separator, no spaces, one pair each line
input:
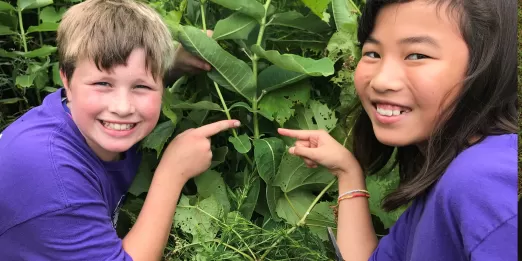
[41,156]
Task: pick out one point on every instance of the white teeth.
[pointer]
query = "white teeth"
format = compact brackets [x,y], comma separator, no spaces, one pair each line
[115,126]
[388,112]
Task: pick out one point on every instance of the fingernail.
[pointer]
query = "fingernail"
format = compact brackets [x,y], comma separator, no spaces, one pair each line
[291,150]
[237,124]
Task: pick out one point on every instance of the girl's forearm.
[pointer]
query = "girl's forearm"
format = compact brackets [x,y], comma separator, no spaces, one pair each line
[148,237]
[355,233]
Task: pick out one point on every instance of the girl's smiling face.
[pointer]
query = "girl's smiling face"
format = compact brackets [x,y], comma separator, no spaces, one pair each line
[412,68]
[114,110]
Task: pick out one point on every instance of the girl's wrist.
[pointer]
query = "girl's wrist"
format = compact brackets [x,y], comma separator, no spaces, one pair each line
[351,180]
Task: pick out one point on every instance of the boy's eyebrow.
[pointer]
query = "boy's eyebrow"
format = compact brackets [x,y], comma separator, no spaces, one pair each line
[409,40]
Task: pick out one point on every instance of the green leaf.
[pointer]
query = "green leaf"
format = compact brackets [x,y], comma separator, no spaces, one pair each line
[249,7]
[293,207]
[218,156]
[241,143]
[296,20]
[274,77]
[273,194]
[141,182]
[159,136]
[4,6]
[343,44]
[43,51]
[294,174]
[5,30]
[296,63]
[49,14]
[25,81]
[56,74]
[210,183]
[6,54]
[43,27]
[379,187]
[279,104]
[10,100]
[32,4]
[321,217]
[236,26]
[246,106]
[198,220]
[248,206]
[318,7]
[324,117]
[267,154]
[201,105]
[227,70]
[345,16]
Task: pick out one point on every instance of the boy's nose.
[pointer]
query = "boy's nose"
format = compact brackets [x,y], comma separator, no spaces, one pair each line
[121,104]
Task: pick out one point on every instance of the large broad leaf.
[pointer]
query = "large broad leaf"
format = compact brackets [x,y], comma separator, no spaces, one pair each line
[345,15]
[5,30]
[293,207]
[4,6]
[210,183]
[227,70]
[191,218]
[49,14]
[249,7]
[246,106]
[316,116]
[296,20]
[275,77]
[236,26]
[43,27]
[32,4]
[25,81]
[280,103]
[344,44]
[318,7]
[267,154]
[201,105]
[241,143]
[43,51]
[273,194]
[141,182]
[296,63]
[379,187]
[218,156]
[321,217]
[157,138]
[294,174]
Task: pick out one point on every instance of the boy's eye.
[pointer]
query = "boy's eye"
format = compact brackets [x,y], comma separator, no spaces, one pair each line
[143,87]
[372,54]
[102,83]
[416,56]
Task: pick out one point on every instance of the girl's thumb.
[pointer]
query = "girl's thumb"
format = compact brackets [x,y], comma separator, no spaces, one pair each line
[303,152]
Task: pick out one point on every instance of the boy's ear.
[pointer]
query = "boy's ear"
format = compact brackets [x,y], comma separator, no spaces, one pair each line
[65,84]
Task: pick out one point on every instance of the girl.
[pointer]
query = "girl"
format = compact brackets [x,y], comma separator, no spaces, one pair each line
[437,82]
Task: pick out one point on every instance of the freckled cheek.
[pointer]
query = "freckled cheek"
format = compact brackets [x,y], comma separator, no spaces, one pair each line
[149,106]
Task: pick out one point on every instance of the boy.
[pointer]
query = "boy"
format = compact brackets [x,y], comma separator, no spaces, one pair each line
[67,164]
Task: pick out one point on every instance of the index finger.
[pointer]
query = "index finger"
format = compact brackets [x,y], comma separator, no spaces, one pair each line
[217,127]
[298,134]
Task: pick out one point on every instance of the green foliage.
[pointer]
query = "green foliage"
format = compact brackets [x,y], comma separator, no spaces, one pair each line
[274,64]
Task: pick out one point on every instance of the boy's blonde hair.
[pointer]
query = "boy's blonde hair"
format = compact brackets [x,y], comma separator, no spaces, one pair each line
[107,31]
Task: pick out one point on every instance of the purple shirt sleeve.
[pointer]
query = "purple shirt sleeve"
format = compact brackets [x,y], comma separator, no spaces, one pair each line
[74,233]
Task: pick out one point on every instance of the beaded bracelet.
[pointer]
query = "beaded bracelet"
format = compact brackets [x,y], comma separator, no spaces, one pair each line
[354,195]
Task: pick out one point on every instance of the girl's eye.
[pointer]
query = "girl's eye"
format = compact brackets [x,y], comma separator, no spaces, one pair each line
[372,55]
[416,56]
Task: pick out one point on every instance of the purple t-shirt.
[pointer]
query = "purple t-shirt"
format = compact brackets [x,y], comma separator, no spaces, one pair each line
[470,214]
[58,200]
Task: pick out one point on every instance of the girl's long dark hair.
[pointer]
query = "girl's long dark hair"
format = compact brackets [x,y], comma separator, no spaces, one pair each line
[487,104]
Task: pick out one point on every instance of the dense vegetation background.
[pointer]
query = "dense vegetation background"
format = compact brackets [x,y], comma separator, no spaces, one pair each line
[256,201]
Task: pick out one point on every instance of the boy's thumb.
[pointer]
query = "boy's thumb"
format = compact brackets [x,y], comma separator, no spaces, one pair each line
[303,152]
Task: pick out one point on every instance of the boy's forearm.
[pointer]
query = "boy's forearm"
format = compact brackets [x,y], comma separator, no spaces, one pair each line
[356,236]
[147,238]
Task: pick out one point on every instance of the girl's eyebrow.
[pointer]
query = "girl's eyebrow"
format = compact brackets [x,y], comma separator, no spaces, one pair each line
[409,40]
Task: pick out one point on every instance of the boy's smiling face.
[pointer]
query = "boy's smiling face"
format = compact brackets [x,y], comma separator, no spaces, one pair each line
[114,109]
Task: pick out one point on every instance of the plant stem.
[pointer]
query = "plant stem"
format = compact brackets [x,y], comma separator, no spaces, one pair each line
[202,8]
[255,58]
[355,6]
[227,112]
[303,219]
[22,31]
